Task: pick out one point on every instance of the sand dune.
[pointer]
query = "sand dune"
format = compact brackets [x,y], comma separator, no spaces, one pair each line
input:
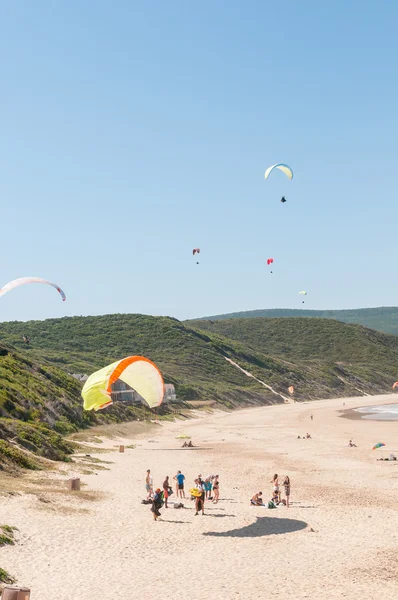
[338,540]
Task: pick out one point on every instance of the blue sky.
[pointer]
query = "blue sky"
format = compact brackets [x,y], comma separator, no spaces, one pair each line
[132,132]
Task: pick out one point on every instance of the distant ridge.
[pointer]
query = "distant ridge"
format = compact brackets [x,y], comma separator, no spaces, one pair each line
[383,318]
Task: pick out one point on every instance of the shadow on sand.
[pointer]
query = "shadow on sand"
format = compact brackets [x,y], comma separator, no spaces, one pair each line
[174,449]
[263,526]
[218,515]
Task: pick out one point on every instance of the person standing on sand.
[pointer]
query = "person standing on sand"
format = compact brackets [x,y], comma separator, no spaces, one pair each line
[200,500]
[156,504]
[276,489]
[312,417]
[180,484]
[216,489]
[286,485]
[208,486]
[149,484]
[166,486]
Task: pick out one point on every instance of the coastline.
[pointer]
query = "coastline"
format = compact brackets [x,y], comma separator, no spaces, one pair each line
[338,536]
[360,413]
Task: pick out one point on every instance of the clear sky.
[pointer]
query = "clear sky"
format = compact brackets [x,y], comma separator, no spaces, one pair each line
[132,132]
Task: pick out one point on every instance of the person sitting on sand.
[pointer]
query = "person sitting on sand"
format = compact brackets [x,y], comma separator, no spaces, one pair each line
[257,499]
[298,437]
[392,457]
[275,499]
[351,444]
[190,445]
[185,445]
[308,436]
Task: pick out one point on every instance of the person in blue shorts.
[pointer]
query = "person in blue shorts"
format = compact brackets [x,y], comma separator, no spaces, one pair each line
[180,484]
[208,487]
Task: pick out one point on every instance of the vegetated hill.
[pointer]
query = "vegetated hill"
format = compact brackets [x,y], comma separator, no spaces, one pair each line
[369,355]
[382,319]
[191,360]
[320,358]
[309,339]
[38,404]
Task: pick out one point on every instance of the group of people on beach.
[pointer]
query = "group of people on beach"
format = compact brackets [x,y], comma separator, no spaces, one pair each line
[257,499]
[207,489]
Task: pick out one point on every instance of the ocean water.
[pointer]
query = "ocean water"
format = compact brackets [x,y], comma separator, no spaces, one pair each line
[382,412]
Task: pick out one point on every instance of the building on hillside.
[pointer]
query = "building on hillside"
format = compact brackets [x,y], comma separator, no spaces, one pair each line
[121,392]
[80,376]
[169,393]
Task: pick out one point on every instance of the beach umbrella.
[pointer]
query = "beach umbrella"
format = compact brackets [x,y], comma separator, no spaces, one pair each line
[378,445]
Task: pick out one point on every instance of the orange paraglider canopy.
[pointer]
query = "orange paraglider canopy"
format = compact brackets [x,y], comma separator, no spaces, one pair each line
[291,389]
[138,372]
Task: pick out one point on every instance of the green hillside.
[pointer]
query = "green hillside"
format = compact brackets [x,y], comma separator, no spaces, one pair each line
[191,360]
[305,339]
[382,319]
[321,358]
[39,404]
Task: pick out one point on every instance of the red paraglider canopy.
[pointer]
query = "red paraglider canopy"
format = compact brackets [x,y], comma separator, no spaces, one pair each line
[270,261]
[196,251]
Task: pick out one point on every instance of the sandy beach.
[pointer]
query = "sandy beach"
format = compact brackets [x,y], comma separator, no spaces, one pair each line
[337,540]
